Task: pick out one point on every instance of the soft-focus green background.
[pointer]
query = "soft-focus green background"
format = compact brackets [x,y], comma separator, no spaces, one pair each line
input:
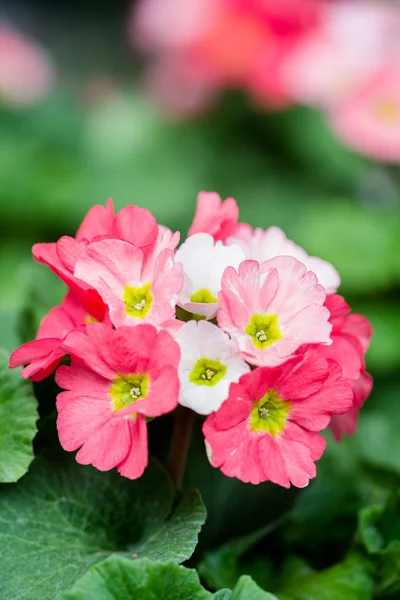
[97,136]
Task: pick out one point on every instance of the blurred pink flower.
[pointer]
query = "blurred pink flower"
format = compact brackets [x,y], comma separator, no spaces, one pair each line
[353,39]
[369,119]
[200,47]
[26,71]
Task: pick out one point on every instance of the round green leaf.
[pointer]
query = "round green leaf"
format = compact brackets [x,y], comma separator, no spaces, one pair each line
[18,417]
[62,517]
[117,578]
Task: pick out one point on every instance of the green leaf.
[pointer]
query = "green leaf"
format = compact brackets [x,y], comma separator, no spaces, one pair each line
[117,578]
[223,595]
[18,417]
[348,580]
[62,517]
[177,535]
[220,568]
[246,589]
[379,532]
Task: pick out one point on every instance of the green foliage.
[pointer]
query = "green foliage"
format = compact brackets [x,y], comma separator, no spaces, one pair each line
[379,532]
[246,589]
[61,518]
[65,525]
[117,578]
[349,580]
[220,568]
[18,415]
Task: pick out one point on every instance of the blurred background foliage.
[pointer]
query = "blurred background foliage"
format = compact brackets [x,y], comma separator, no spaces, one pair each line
[97,135]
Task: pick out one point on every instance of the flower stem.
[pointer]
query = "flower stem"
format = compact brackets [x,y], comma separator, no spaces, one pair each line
[184,419]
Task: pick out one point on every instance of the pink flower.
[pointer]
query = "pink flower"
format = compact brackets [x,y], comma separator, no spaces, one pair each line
[267,430]
[116,381]
[215,217]
[347,423]
[133,224]
[261,245]
[26,71]
[369,119]
[271,309]
[136,286]
[44,354]
[353,40]
[351,334]
[61,258]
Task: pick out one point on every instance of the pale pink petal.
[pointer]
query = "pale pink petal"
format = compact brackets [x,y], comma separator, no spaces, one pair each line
[115,262]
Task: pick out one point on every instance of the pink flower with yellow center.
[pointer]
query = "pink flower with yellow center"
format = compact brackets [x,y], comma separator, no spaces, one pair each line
[272,309]
[132,224]
[116,382]
[368,120]
[44,354]
[268,428]
[136,287]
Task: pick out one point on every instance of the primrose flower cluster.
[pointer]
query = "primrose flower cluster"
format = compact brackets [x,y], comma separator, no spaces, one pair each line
[239,325]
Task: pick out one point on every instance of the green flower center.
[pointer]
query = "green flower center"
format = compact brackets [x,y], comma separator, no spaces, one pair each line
[204,295]
[138,300]
[207,372]
[264,330]
[269,414]
[126,389]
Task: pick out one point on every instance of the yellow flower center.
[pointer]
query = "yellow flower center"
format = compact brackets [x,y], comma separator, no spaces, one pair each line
[138,300]
[126,389]
[269,414]
[90,319]
[388,110]
[204,295]
[207,372]
[264,330]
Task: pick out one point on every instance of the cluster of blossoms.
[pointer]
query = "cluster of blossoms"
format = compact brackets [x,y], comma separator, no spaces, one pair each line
[239,325]
[341,56]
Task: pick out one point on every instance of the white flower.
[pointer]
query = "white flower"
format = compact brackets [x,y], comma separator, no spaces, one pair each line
[261,245]
[210,362]
[204,262]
